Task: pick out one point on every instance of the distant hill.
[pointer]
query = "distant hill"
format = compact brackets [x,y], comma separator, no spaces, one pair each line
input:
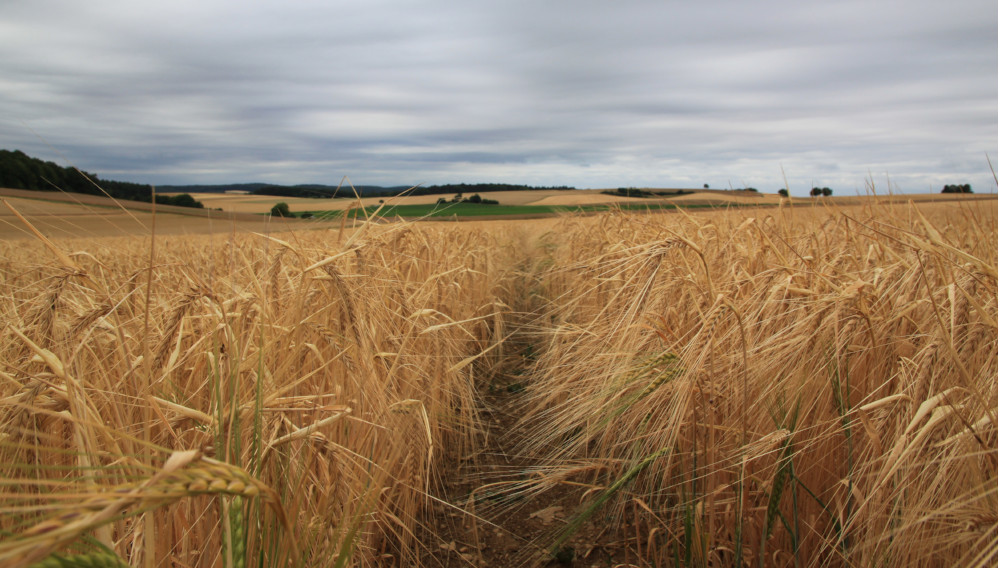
[300,190]
[326,191]
[20,171]
[482,188]
[248,187]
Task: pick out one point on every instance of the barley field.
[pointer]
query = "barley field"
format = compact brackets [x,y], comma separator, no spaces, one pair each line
[810,386]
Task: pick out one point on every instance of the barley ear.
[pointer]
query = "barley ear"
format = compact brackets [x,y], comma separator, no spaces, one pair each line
[95,560]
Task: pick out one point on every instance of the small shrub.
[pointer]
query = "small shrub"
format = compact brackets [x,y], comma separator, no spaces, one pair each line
[281,210]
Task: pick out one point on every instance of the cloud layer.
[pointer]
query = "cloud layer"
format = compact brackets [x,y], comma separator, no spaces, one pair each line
[590,94]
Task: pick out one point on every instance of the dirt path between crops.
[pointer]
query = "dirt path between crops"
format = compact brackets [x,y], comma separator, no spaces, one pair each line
[486,518]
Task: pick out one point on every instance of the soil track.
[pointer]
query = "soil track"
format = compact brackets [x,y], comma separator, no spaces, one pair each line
[488,515]
[494,508]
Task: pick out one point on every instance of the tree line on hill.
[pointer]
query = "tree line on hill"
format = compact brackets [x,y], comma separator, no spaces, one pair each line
[964,188]
[460,188]
[282,210]
[20,171]
[636,192]
[475,199]
[320,192]
[213,188]
[326,192]
[826,191]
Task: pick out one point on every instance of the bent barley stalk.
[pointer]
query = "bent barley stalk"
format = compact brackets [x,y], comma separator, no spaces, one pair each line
[185,474]
[93,560]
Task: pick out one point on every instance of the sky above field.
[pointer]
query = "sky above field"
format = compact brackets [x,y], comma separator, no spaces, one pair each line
[584,93]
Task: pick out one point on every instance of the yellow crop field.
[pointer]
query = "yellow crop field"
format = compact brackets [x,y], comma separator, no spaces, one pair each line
[263,203]
[809,386]
[260,204]
[241,203]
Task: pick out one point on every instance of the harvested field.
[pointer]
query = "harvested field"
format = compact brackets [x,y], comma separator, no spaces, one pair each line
[60,215]
[263,203]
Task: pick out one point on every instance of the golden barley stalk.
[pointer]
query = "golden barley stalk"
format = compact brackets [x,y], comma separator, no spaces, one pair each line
[184,474]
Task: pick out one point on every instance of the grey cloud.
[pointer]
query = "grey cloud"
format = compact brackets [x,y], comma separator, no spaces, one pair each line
[585,93]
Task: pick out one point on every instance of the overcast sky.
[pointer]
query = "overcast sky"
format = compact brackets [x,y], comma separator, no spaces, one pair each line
[588,94]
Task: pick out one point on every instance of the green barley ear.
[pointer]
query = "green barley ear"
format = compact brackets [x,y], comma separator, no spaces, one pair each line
[237,531]
[657,370]
[94,560]
[778,486]
[574,525]
[662,368]
[788,420]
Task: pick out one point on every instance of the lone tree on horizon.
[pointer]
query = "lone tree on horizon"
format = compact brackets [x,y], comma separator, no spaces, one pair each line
[281,210]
